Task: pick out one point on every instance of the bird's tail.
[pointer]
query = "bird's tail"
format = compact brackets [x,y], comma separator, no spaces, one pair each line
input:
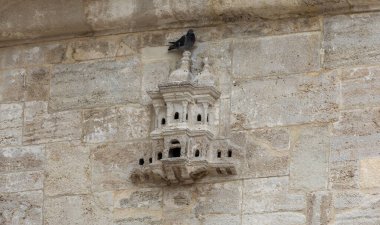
[171,47]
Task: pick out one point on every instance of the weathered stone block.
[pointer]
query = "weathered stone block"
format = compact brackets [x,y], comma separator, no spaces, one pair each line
[11,85]
[46,53]
[37,84]
[94,48]
[364,72]
[139,217]
[355,199]
[344,174]
[309,159]
[138,206]
[129,15]
[360,122]
[144,198]
[270,9]
[265,155]
[357,208]
[266,185]
[362,92]
[341,35]
[24,208]
[112,164]
[273,203]
[224,117]
[277,138]
[270,195]
[21,181]
[367,214]
[131,43]
[10,124]
[261,28]
[266,56]
[178,203]
[284,101]
[189,204]
[351,148]
[43,18]
[219,198]
[356,135]
[95,84]
[116,124]
[42,127]
[160,53]
[77,209]
[222,219]
[67,169]
[14,159]
[370,173]
[280,218]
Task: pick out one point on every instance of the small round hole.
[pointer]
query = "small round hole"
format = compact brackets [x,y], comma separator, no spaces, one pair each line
[159,156]
[141,162]
[197,153]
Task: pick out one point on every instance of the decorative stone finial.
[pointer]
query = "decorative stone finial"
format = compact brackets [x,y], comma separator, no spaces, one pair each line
[206,77]
[183,73]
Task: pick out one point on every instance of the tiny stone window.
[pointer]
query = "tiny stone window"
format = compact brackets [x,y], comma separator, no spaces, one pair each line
[219,154]
[174,152]
[150,160]
[163,121]
[229,154]
[141,162]
[197,153]
[187,116]
[175,149]
[176,116]
[174,142]
[159,156]
[199,118]
[207,118]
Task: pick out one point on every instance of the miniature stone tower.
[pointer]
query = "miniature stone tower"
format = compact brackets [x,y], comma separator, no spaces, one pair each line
[184,129]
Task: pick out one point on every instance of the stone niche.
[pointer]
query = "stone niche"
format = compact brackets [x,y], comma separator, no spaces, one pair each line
[185,127]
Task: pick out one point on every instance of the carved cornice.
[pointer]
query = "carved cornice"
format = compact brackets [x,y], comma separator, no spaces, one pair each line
[55,18]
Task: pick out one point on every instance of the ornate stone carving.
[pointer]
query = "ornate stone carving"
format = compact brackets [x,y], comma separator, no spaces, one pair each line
[185,128]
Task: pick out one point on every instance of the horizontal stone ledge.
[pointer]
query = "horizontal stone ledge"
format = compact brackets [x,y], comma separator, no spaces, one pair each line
[56,18]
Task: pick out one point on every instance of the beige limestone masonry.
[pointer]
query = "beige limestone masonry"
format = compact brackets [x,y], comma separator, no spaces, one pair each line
[299,104]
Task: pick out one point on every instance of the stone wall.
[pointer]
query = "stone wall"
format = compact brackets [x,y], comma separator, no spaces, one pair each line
[300,99]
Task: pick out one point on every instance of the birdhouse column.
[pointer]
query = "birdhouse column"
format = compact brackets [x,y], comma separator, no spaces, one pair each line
[184,111]
[169,112]
[205,111]
[157,115]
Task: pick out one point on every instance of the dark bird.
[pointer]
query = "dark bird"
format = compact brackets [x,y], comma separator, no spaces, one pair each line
[186,42]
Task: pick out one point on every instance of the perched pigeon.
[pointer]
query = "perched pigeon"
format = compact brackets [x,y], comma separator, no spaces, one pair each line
[186,42]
